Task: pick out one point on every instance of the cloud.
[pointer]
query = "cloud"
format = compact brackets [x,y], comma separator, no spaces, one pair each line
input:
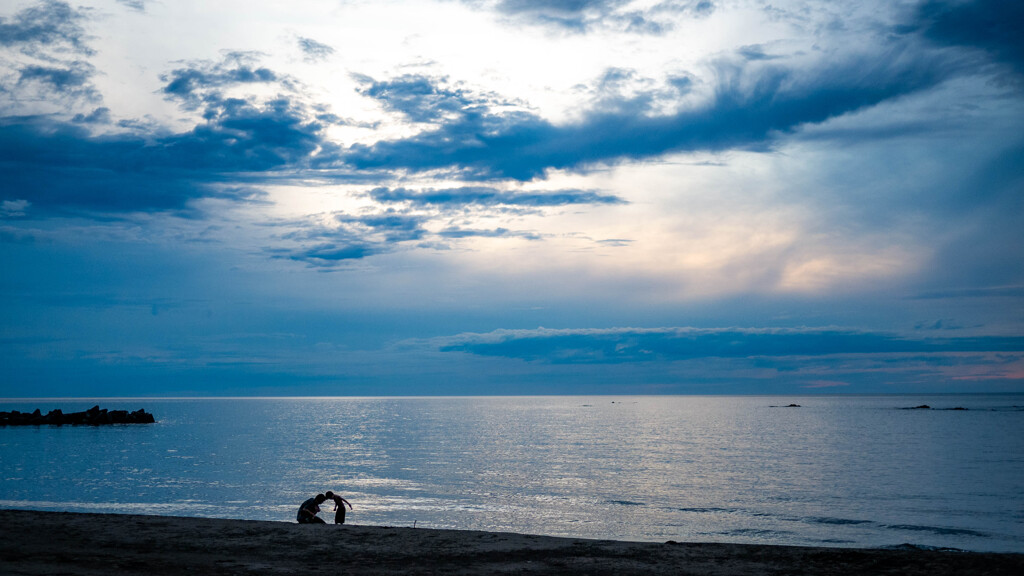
[990,25]
[137,5]
[330,254]
[72,81]
[570,14]
[43,45]
[14,208]
[580,16]
[100,115]
[314,51]
[617,345]
[825,384]
[755,52]
[486,196]
[495,233]
[421,98]
[49,24]
[203,82]
[347,237]
[987,292]
[62,166]
[752,105]
[393,226]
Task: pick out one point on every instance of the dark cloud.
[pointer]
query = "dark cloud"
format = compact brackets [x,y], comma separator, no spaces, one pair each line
[71,81]
[350,237]
[990,25]
[331,254]
[571,14]
[494,233]
[582,15]
[752,105]
[421,98]
[941,324]
[994,292]
[703,7]
[100,115]
[137,5]
[393,226]
[49,24]
[667,344]
[314,50]
[486,196]
[61,166]
[755,52]
[639,23]
[47,40]
[202,83]
[357,236]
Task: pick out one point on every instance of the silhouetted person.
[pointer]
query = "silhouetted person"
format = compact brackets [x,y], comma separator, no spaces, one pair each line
[309,509]
[339,507]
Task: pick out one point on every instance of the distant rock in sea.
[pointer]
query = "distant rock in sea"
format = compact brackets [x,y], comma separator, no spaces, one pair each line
[787,406]
[91,417]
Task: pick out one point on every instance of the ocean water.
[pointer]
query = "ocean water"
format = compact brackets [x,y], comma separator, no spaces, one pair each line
[838,471]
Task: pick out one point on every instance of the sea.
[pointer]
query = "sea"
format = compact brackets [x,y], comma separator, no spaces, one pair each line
[842,471]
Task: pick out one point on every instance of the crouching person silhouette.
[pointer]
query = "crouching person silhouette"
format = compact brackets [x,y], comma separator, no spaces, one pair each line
[309,509]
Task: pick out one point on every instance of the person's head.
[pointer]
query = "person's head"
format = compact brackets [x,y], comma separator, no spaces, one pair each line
[320,498]
[330,495]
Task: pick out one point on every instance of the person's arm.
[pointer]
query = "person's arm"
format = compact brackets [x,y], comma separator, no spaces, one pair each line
[347,502]
[308,512]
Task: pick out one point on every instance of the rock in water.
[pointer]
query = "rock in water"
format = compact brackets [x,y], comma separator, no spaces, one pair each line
[94,416]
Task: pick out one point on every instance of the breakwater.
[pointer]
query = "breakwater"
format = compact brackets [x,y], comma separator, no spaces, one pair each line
[94,416]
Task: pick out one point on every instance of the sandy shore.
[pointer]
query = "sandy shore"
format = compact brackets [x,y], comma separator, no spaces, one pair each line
[63,543]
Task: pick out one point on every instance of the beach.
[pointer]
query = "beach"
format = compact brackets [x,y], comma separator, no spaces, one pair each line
[33,542]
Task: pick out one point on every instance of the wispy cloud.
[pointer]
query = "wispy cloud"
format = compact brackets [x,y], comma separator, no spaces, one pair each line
[616,345]
[137,5]
[989,25]
[487,196]
[314,51]
[580,16]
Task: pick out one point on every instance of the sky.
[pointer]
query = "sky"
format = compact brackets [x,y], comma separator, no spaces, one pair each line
[477,197]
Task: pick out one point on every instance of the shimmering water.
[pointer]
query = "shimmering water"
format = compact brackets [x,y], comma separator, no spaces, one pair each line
[839,471]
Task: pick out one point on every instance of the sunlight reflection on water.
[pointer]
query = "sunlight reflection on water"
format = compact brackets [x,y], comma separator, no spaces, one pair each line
[852,471]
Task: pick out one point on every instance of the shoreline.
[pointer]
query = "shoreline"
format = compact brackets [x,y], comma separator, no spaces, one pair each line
[33,542]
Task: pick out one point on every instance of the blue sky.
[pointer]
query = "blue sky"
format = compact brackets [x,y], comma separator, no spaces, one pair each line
[511,197]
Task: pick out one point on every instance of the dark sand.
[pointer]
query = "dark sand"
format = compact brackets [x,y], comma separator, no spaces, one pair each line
[63,543]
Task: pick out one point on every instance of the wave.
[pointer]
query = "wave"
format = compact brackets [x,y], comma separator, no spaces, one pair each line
[940,530]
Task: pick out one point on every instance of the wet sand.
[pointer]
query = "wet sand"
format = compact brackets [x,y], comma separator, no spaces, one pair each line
[99,544]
